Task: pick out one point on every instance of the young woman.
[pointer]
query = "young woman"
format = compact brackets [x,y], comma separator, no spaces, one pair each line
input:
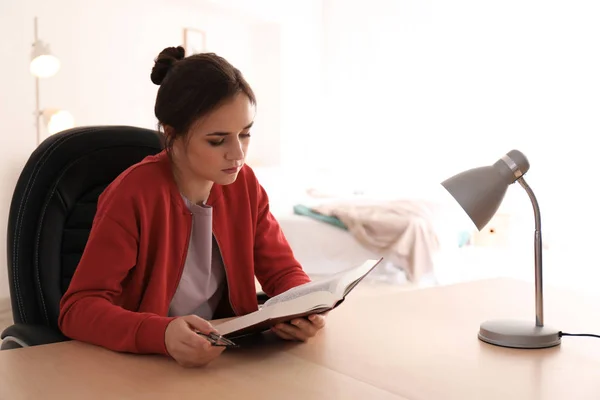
[179,237]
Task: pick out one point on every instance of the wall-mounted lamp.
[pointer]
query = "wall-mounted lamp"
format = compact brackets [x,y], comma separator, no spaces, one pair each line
[44,65]
[57,120]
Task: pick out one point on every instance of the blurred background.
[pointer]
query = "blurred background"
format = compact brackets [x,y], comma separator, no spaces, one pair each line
[382,99]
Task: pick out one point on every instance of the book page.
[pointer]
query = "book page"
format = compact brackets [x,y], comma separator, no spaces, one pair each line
[302,300]
[351,277]
[336,284]
[283,311]
[324,285]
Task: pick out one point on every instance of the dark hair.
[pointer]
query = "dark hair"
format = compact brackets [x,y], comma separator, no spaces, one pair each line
[191,87]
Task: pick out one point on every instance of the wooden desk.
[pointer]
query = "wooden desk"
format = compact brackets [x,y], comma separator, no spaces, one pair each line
[423,344]
[419,344]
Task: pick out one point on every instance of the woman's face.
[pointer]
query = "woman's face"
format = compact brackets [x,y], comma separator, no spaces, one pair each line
[215,146]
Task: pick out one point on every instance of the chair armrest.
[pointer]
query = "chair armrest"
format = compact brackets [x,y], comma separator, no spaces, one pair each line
[24,335]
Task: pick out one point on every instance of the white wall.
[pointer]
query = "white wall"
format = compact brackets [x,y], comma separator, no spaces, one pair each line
[107,49]
[265,77]
[299,79]
[419,90]
[302,84]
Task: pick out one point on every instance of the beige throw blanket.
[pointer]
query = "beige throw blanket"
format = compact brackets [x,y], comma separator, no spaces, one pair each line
[401,230]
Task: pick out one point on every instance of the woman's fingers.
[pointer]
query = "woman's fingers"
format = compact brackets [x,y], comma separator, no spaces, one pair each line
[282,334]
[300,328]
[317,320]
[293,331]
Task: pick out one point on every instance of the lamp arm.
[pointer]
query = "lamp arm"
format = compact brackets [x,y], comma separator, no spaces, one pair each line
[539,292]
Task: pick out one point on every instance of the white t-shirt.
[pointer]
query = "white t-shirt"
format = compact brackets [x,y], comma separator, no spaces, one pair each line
[203,279]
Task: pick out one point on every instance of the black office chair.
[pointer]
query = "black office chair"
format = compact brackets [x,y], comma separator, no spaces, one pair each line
[50,217]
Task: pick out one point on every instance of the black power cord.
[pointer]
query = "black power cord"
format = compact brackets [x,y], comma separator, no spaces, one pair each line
[561,334]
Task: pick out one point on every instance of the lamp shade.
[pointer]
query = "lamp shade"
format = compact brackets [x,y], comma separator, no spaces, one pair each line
[43,63]
[480,191]
[58,120]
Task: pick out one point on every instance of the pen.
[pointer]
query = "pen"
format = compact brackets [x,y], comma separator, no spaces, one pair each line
[215,338]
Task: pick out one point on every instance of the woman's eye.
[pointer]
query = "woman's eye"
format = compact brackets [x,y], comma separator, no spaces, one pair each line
[220,142]
[217,143]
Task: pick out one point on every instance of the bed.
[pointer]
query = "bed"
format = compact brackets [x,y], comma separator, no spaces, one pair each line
[324,248]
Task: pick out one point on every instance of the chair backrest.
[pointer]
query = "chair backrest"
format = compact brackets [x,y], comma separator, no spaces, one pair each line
[53,206]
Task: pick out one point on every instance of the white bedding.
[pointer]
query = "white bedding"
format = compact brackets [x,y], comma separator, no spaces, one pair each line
[321,248]
[324,249]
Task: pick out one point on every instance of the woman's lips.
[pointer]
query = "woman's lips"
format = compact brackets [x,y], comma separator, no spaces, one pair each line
[231,170]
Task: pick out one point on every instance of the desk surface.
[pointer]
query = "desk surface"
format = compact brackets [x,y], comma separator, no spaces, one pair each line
[418,344]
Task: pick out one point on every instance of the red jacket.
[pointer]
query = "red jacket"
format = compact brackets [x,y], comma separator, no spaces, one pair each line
[120,293]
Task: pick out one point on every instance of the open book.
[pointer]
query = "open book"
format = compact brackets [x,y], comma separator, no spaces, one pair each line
[300,301]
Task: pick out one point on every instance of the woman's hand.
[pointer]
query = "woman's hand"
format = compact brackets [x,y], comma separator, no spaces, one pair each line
[187,347]
[300,328]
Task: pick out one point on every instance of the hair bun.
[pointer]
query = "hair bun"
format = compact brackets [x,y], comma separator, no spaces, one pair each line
[164,62]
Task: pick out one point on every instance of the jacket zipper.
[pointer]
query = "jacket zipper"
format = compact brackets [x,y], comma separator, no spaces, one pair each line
[226,276]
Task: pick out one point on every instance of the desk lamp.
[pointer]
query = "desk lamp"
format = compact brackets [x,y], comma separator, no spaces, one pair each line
[479,191]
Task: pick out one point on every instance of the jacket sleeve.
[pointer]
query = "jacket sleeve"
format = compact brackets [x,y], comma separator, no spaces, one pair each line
[277,270]
[88,312]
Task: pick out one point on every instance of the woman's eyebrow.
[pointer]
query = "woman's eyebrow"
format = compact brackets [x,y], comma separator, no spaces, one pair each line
[229,133]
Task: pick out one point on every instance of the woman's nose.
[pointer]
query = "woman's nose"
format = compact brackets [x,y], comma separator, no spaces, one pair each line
[236,152]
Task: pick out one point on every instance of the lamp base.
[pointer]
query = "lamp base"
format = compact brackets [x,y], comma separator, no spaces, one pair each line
[518,334]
